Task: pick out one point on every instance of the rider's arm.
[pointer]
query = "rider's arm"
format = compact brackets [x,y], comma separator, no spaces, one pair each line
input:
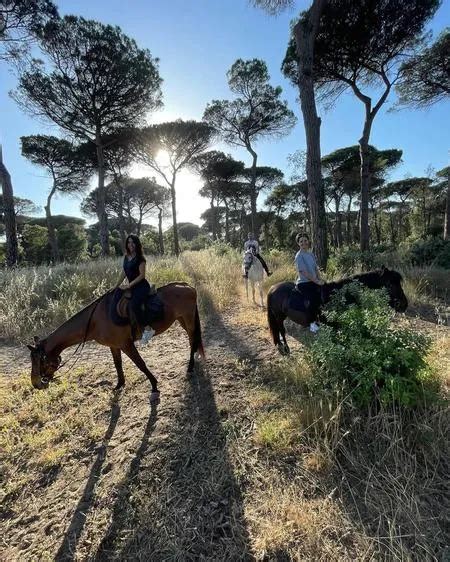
[305,273]
[141,275]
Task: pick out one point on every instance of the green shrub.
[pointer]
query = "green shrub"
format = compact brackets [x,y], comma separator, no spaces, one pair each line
[434,251]
[363,354]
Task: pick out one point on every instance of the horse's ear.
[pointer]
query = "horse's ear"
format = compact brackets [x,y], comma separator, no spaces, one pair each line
[36,339]
[31,348]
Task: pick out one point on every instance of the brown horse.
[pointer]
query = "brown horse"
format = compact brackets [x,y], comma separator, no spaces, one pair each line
[94,323]
[278,301]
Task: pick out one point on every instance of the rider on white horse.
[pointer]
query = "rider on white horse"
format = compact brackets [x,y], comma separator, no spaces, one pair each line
[251,248]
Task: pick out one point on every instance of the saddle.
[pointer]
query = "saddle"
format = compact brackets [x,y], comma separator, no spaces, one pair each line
[302,301]
[119,309]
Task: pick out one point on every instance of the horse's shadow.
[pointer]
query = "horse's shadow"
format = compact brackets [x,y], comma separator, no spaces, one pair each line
[67,549]
[196,512]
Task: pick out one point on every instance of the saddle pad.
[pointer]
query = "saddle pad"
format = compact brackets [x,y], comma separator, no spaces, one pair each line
[119,308]
[298,301]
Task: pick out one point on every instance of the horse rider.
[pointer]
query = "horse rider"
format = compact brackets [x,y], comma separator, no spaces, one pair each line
[134,270]
[308,282]
[251,248]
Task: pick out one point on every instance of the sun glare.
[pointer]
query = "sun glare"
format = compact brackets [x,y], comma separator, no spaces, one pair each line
[162,158]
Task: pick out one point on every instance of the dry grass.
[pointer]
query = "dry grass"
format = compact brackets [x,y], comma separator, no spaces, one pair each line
[216,277]
[254,467]
[39,429]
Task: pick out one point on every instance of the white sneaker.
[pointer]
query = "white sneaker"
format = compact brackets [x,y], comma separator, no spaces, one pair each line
[147,335]
[314,328]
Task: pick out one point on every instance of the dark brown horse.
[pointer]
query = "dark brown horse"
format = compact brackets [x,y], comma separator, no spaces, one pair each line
[278,308]
[94,323]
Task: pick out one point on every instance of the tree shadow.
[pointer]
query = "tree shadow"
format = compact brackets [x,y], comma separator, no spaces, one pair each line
[119,510]
[187,504]
[67,550]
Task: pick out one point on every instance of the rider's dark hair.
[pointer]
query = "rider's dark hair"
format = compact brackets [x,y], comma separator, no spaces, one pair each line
[137,244]
[302,235]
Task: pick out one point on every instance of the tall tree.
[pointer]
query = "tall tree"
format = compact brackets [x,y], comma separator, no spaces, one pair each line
[65,165]
[445,174]
[425,78]
[362,44]
[9,215]
[305,33]
[256,113]
[220,173]
[167,148]
[98,81]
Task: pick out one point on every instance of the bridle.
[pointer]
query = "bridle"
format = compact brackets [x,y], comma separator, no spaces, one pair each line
[46,361]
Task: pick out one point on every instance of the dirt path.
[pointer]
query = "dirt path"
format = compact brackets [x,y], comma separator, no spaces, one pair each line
[160,483]
[174,453]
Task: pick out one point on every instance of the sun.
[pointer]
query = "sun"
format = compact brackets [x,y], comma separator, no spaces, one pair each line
[163,158]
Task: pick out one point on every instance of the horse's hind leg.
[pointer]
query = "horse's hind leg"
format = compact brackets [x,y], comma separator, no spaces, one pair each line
[283,335]
[117,356]
[189,326]
[133,354]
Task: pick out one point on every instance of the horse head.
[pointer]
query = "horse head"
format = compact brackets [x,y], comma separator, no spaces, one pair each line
[43,366]
[392,281]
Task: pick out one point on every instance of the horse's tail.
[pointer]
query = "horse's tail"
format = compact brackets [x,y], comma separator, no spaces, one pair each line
[273,322]
[198,343]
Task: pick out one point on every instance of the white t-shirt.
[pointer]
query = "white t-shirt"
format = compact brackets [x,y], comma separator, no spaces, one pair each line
[249,243]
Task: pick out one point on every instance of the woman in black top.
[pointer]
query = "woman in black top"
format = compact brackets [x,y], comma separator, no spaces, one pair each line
[134,271]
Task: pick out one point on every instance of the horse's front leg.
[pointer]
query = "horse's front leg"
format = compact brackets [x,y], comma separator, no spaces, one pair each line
[253,293]
[261,294]
[117,356]
[133,354]
[246,287]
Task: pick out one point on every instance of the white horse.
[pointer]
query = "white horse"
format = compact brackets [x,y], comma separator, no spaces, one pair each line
[255,276]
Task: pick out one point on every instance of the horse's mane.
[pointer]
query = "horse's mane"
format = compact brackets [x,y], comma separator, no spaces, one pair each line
[369,278]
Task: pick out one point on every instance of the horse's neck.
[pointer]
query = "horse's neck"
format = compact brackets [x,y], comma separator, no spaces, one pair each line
[72,332]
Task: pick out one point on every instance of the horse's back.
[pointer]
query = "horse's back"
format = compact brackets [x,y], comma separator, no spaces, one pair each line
[177,292]
[282,288]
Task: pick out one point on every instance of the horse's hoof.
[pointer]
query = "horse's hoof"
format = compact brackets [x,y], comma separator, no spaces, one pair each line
[154,397]
[119,386]
[287,349]
[281,349]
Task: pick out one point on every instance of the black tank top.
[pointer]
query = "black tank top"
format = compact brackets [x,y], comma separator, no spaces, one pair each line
[131,267]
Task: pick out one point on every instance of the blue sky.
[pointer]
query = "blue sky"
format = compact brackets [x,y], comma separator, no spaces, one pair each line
[197,41]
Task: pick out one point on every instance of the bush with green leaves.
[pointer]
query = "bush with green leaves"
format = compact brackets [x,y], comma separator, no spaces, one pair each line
[434,251]
[361,352]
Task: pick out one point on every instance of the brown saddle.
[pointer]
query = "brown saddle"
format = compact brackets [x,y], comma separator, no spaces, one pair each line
[121,308]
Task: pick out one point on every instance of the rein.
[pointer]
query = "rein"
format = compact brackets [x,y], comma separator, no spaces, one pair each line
[82,343]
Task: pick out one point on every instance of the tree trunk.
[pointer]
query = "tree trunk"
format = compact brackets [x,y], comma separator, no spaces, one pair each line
[348,233]
[227,221]
[52,239]
[213,219]
[12,252]
[120,212]
[365,185]
[139,224]
[176,247]
[447,211]
[101,198]
[160,232]
[305,32]
[337,203]
[375,223]
[253,194]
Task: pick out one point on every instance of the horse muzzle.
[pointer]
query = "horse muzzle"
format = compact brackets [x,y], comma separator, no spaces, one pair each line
[39,382]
